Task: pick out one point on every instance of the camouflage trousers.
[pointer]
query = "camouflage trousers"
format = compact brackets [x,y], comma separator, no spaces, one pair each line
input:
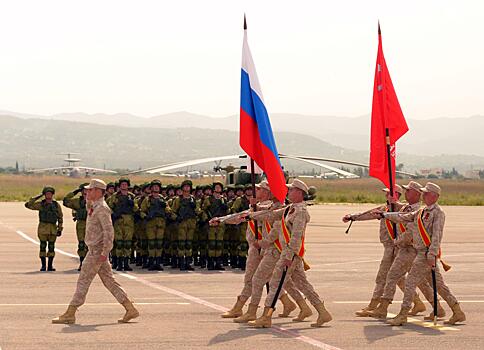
[216,240]
[263,274]
[254,257]
[47,234]
[401,265]
[389,254]
[155,233]
[90,268]
[123,235]
[298,275]
[81,233]
[421,272]
[186,231]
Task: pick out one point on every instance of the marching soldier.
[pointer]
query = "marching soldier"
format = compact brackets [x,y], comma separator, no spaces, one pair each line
[50,224]
[387,237]
[186,211]
[427,238]
[78,205]
[215,206]
[405,255]
[99,239]
[154,210]
[293,221]
[124,207]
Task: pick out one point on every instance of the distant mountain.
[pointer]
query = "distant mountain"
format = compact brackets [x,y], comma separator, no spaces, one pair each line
[454,136]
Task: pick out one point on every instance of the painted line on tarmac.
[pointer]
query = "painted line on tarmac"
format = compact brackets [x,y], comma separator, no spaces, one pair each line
[278,329]
[399,302]
[93,304]
[426,324]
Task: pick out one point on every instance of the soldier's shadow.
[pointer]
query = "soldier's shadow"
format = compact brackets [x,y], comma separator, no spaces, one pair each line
[243,333]
[79,328]
[381,330]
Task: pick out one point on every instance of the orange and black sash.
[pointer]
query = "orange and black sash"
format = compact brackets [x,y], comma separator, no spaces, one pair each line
[257,236]
[427,239]
[390,231]
[287,236]
[277,243]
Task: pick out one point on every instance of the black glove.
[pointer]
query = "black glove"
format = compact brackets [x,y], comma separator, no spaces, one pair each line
[39,196]
[59,232]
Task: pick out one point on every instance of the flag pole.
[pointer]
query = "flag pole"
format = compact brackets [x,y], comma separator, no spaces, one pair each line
[389,154]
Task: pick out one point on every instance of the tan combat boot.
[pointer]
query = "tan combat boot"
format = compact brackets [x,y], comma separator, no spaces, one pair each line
[288,305]
[265,321]
[68,317]
[304,310]
[323,315]
[371,306]
[131,312]
[418,306]
[235,311]
[382,309]
[250,315]
[440,313]
[401,318]
[457,315]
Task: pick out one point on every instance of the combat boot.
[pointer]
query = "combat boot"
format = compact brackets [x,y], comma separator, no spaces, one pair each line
[120,260]
[242,262]
[68,317]
[211,264]
[139,260]
[235,311]
[457,315]
[50,262]
[114,262]
[401,318]
[304,309]
[288,306]
[151,264]
[265,321]
[225,260]
[159,263]
[126,265]
[233,262]
[323,315]
[81,259]
[131,312]
[203,262]
[250,315]
[188,264]
[174,262]
[418,306]
[43,265]
[440,313]
[382,310]
[218,265]
[371,306]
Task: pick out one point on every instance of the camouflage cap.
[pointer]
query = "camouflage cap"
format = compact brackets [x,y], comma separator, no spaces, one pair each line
[299,184]
[397,188]
[96,183]
[413,185]
[264,185]
[431,187]
[48,189]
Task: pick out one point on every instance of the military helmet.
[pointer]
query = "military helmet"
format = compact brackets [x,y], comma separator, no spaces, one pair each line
[144,185]
[239,187]
[218,183]
[248,187]
[136,187]
[187,182]
[230,188]
[48,189]
[111,184]
[170,187]
[156,182]
[124,179]
[81,186]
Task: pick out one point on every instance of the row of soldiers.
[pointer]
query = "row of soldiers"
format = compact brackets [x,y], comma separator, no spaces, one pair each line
[154,225]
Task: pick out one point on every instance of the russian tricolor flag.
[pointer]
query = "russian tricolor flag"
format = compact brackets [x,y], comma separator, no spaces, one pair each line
[256,137]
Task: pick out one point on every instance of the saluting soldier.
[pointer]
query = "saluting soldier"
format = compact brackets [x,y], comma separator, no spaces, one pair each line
[155,210]
[78,205]
[186,210]
[50,224]
[215,206]
[427,239]
[123,205]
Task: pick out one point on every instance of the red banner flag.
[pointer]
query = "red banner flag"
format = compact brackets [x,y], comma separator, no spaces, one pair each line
[387,122]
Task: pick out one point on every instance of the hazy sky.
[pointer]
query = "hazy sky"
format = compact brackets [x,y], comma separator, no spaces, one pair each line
[312,57]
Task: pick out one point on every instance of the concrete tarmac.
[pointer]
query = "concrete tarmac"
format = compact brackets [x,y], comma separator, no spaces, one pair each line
[181,310]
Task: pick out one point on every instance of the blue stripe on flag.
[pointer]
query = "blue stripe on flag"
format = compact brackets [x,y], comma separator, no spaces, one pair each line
[251,103]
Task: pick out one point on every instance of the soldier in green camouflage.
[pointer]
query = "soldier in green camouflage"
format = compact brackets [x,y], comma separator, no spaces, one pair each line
[199,241]
[215,206]
[155,210]
[170,247]
[110,189]
[186,210]
[140,228]
[240,204]
[123,205]
[229,230]
[50,224]
[78,206]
